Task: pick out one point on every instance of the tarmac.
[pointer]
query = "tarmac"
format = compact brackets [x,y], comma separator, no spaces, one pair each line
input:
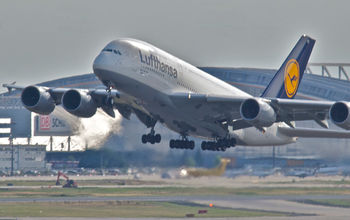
[291,204]
[278,203]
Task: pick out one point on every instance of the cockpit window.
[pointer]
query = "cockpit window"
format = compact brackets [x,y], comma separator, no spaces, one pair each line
[107,50]
[112,51]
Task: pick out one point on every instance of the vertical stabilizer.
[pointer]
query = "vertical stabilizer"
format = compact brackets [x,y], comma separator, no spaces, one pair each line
[286,81]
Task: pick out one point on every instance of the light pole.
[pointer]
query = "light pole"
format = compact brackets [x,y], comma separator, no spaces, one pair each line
[11,143]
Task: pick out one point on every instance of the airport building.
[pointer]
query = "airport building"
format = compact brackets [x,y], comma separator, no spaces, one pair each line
[22,157]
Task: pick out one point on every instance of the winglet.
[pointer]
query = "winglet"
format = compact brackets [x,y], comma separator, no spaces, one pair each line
[286,81]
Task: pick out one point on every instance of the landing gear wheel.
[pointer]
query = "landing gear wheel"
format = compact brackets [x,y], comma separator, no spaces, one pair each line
[151,138]
[172,144]
[144,139]
[204,145]
[181,144]
[191,145]
[218,145]
[157,138]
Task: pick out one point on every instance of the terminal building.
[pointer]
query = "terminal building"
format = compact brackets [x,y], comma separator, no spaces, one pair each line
[22,157]
[20,123]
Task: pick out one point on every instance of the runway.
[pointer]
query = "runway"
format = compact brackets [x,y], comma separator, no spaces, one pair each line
[198,198]
[284,203]
[275,203]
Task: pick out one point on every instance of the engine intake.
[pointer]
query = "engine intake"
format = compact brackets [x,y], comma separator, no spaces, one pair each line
[38,100]
[258,113]
[339,114]
[79,103]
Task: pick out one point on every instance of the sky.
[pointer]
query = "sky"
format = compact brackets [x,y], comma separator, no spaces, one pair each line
[42,40]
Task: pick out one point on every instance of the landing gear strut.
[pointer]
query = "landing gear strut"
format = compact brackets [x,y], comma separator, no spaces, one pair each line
[218,145]
[183,143]
[151,138]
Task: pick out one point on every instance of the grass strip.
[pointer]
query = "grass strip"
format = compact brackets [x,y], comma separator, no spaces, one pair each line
[168,191]
[107,182]
[126,209]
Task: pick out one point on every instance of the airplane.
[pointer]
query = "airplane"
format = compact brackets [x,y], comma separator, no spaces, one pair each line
[158,87]
[301,172]
[217,171]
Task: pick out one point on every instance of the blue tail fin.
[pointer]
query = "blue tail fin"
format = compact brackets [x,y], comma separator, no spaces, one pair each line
[286,81]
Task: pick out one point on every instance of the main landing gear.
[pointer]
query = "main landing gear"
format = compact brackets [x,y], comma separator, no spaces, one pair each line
[151,138]
[184,143]
[218,145]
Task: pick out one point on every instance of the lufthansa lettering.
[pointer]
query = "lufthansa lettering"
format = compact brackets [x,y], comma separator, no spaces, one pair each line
[153,61]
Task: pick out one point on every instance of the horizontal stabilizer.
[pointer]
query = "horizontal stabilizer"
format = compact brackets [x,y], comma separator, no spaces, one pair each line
[313,133]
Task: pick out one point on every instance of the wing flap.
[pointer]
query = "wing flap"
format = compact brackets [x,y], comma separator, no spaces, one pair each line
[239,124]
[313,133]
[299,110]
[209,98]
[298,105]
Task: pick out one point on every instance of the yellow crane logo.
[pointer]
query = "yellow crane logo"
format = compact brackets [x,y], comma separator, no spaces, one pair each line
[291,77]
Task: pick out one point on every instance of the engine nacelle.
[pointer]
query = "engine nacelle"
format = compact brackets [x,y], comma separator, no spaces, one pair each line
[339,114]
[79,103]
[38,100]
[258,113]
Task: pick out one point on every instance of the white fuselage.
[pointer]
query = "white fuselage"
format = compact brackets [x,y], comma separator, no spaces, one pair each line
[148,76]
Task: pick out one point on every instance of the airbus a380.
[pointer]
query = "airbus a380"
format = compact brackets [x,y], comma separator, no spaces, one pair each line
[158,87]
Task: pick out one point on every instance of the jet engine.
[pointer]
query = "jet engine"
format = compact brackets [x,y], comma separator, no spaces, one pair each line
[258,113]
[79,103]
[339,114]
[38,100]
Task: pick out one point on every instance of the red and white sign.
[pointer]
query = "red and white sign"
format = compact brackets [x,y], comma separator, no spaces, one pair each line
[45,122]
[52,125]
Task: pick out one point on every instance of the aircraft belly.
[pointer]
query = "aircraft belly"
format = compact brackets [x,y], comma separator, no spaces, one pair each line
[155,100]
[181,121]
[254,137]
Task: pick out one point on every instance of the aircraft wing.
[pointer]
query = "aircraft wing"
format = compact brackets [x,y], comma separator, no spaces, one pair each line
[226,109]
[107,100]
[12,86]
[313,133]
[210,108]
[56,93]
[298,110]
[101,97]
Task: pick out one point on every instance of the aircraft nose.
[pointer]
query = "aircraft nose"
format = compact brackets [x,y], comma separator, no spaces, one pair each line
[101,61]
